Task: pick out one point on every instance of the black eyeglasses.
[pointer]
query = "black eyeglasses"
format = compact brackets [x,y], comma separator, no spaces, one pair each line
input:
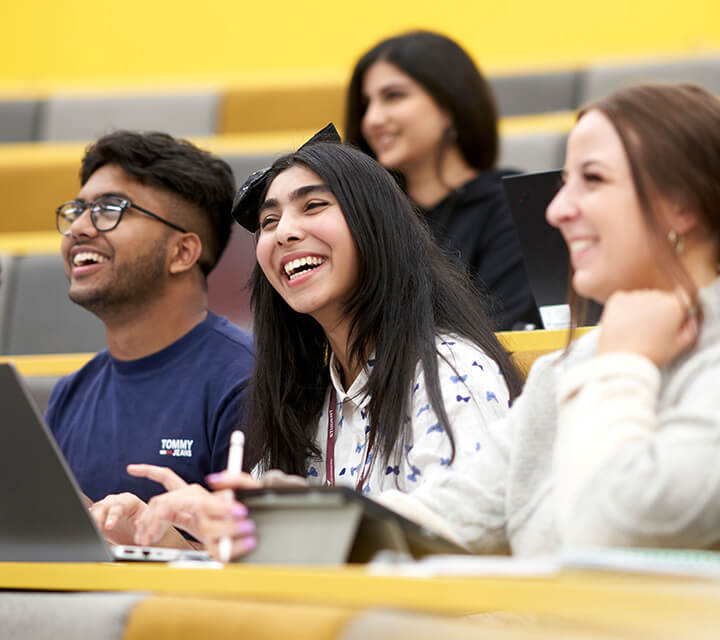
[105,213]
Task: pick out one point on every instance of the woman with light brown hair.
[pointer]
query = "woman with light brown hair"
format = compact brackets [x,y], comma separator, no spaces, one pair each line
[616,441]
[639,421]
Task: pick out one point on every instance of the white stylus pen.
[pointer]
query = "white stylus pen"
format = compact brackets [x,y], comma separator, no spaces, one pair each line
[234,465]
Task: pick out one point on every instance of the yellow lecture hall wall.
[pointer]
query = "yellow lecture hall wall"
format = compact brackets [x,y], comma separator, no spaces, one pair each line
[48,41]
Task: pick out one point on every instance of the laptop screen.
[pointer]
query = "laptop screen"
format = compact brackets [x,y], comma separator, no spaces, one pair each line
[44,515]
[544,250]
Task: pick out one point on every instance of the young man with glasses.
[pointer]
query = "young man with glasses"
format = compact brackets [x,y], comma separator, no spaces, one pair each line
[150,222]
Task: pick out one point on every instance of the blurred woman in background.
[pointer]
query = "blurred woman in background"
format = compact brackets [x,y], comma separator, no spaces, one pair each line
[418,104]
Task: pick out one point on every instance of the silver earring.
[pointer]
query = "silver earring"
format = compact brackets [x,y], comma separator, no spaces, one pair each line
[676,241]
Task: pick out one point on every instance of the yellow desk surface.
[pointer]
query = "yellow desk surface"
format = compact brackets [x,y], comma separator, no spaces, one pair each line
[630,601]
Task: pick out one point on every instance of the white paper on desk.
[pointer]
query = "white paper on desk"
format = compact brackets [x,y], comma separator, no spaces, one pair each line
[465,565]
[686,562]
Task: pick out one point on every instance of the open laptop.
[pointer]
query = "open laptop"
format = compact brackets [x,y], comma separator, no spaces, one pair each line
[44,516]
[544,250]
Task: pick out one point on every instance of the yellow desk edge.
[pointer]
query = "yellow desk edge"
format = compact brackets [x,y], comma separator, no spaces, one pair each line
[632,599]
[54,364]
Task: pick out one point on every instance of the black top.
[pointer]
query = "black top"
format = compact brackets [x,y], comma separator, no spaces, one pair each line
[475,221]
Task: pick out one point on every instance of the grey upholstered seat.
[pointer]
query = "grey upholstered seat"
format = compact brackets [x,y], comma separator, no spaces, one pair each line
[6,263]
[536,92]
[80,117]
[601,79]
[40,388]
[532,151]
[18,120]
[38,317]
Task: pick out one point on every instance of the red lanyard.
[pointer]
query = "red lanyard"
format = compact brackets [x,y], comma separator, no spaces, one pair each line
[330,449]
[330,453]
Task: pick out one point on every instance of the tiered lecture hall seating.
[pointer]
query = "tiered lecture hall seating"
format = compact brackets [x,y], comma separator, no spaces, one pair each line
[41,142]
[42,136]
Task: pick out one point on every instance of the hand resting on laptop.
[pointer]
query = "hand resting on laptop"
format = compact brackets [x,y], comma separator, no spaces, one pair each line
[125,519]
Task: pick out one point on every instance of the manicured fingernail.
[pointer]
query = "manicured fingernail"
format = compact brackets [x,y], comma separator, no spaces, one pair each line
[214,477]
[239,510]
[245,527]
[250,543]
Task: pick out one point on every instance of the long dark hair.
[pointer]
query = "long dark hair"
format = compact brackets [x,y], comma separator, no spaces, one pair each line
[445,70]
[409,292]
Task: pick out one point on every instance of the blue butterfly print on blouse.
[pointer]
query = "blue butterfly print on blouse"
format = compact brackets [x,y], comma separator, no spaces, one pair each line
[354,470]
[342,471]
[312,472]
[366,488]
[342,419]
[425,408]
[457,379]
[359,447]
[491,396]
[477,364]
[367,428]
[444,462]
[448,343]
[462,399]
[408,448]
[368,460]
[477,446]
[435,427]
[363,414]
[415,473]
[416,387]
[395,470]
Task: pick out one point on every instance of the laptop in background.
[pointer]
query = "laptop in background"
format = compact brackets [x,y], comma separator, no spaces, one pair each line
[544,250]
[44,515]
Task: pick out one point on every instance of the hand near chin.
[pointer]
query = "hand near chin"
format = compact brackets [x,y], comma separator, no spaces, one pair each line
[658,325]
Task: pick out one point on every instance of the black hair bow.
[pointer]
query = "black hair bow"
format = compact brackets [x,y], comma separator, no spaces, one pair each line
[247,200]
